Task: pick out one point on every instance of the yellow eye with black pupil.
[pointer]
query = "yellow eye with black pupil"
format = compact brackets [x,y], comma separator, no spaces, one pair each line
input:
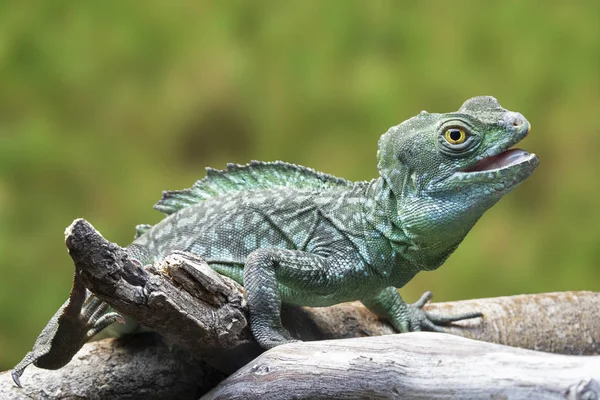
[455,135]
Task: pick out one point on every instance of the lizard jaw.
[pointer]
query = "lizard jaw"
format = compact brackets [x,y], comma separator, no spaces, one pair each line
[500,172]
[506,159]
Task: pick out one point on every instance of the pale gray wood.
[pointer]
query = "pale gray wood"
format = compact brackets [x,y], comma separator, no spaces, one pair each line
[133,367]
[560,322]
[419,365]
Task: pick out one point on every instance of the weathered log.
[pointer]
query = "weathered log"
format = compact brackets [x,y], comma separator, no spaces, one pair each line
[396,366]
[419,365]
[132,367]
[561,322]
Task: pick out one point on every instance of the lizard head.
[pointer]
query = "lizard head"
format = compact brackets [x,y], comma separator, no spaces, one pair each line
[458,155]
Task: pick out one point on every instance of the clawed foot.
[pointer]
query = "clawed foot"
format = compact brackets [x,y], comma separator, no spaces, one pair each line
[94,318]
[419,319]
[80,318]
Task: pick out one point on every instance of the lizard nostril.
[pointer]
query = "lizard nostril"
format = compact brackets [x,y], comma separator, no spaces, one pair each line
[516,121]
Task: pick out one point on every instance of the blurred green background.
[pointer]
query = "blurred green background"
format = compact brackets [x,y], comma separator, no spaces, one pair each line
[105,104]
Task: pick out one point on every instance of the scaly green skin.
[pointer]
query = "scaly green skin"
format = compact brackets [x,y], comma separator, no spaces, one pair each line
[318,247]
[293,235]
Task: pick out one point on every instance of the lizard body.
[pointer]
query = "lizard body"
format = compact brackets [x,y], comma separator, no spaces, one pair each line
[319,244]
[291,234]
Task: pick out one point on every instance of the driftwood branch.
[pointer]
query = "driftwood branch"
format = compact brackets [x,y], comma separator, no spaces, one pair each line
[132,367]
[413,366]
[562,322]
[205,313]
[418,365]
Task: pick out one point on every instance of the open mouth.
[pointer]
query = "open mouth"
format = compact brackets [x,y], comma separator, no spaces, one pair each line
[503,160]
[499,173]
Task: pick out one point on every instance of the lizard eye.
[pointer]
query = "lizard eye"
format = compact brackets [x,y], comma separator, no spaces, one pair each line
[455,135]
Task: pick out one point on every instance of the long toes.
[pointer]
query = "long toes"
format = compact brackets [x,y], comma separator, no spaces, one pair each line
[438,319]
[91,305]
[99,311]
[404,327]
[103,322]
[430,326]
[425,297]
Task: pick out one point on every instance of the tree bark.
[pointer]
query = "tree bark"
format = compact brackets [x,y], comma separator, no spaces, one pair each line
[418,365]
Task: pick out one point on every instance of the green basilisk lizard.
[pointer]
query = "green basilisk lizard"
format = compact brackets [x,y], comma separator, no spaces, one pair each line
[291,234]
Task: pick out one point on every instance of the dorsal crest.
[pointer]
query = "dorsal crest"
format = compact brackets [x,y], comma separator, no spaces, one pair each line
[253,176]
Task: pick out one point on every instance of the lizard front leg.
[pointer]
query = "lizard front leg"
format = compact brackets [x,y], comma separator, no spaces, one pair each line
[410,317]
[298,270]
